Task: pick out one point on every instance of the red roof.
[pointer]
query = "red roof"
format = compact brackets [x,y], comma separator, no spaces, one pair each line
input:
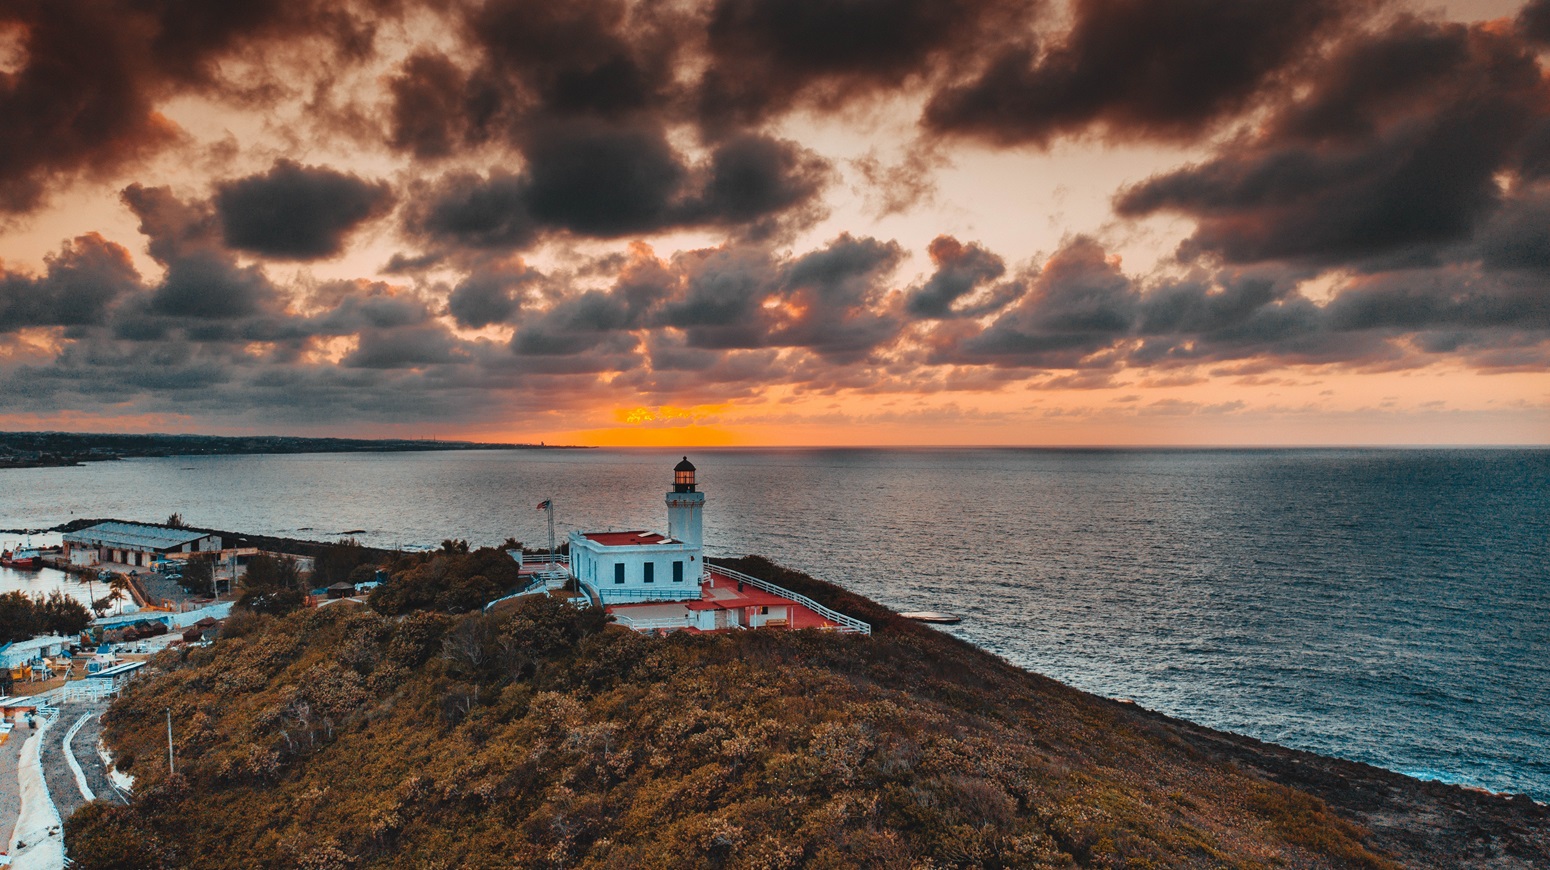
[624,539]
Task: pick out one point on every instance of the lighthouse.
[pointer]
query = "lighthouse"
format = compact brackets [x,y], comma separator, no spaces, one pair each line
[684,507]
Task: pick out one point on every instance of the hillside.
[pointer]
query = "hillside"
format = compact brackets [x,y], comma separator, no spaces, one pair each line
[341,738]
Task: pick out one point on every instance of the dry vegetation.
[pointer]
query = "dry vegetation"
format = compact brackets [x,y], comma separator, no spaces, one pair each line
[345,738]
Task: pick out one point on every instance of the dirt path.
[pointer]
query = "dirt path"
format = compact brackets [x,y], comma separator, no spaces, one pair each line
[10,787]
[62,785]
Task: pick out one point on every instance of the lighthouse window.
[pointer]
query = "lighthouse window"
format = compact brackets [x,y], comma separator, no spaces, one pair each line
[618,572]
[678,571]
[651,571]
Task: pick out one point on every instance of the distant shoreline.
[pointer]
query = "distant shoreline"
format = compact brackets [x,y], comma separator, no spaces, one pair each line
[67,449]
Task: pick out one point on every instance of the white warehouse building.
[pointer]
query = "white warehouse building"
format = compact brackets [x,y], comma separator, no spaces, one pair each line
[635,566]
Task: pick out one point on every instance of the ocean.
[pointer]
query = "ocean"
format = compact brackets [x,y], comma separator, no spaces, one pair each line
[1385,606]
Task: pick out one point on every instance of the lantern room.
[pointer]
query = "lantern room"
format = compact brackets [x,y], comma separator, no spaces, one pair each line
[683,476]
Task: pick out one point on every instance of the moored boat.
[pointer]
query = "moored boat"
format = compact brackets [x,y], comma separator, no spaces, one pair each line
[24,560]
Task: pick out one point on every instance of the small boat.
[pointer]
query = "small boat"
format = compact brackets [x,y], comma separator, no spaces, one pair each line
[22,560]
[933,616]
[28,558]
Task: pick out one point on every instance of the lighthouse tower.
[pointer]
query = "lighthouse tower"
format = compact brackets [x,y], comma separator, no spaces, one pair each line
[684,507]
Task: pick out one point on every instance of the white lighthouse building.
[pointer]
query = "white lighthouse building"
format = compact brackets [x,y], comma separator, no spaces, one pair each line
[638,566]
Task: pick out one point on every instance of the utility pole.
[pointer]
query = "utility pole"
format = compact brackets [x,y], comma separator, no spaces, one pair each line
[170,771]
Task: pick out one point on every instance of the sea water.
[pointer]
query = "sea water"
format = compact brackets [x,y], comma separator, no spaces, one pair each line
[1386,606]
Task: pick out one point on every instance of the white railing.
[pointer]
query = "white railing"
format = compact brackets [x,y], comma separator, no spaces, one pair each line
[539,586]
[845,623]
[668,623]
[76,690]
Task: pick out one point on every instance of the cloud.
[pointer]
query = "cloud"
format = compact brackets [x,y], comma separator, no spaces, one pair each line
[836,300]
[202,280]
[960,270]
[95,71]
[432,107]
[592,179]
[1137,68]
[1394,148]
[80,284]
[1534,21]
[1077,306]
[766,56]
[297,212]
[601,180]
[491,294]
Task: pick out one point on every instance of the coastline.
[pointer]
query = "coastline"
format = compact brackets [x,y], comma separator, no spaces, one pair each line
[1431,823]
[70,449]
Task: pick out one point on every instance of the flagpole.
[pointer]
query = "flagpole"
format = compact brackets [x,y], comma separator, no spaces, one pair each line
[552,554]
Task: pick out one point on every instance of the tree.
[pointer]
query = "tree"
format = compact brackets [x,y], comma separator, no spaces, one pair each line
[18,617]
[59,614]
[176,521]
[336,561]
[120,588]
[272,586]
[198,575]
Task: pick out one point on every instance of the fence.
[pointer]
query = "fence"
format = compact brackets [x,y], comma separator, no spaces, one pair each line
[845,623]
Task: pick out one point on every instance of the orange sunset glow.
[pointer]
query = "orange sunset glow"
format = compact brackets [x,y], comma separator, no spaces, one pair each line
[613,224]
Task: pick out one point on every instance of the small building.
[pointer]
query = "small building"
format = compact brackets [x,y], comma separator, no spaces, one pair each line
[340,590]
[23,652]
[118,674]
[636,566]
[134,544]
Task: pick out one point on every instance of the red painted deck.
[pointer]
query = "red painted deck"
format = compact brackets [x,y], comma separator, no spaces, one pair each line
[723,594]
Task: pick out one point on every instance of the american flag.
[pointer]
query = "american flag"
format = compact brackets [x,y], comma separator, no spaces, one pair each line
[545,504]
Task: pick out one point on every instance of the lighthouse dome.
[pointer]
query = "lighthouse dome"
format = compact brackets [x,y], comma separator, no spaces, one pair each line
[683,476]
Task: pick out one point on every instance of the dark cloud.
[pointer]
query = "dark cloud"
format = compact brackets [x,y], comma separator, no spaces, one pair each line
[769,55]
[1137,68]
[202,279]
[753,178]
[410,346]
[80,284]
[578,324]
[960,270]
[1442,299]
[1517,237]
[95,71]
[475,212]
[602,180]
[836,300]
[490,295]
[430,107]
[297,212]
[1077,306]
[603,57]
[1395,146]
[203,285]
[531,63]
[720,298]
[1534,21]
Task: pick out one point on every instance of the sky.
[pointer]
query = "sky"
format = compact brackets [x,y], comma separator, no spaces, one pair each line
[779,222]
